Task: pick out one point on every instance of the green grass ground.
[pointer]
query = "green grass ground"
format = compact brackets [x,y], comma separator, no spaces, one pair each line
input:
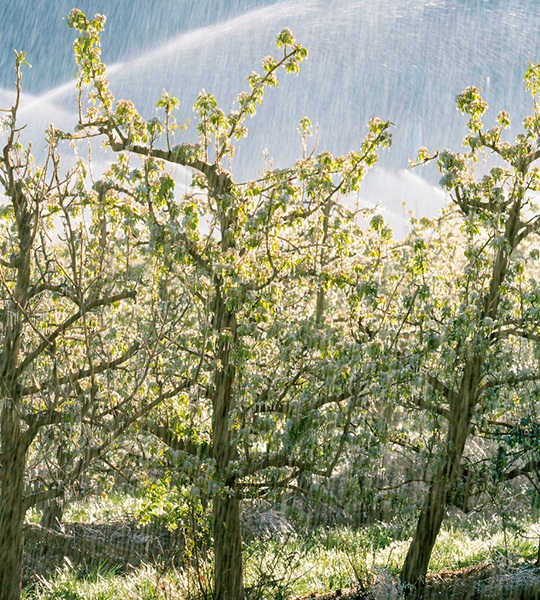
[286,566]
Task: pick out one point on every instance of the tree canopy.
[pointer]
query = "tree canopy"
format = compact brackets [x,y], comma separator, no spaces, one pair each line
[262,334]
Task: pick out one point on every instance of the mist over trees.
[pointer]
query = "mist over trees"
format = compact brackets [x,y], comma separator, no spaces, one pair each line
[267,338]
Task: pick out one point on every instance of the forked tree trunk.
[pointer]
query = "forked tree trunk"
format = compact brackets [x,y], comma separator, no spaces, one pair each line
[11,506]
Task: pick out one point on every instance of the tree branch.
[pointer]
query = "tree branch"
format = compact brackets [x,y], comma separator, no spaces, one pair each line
[83,373]
[166,435]
[96,452]
[510,381]
[529,467]
[63,327]
[439,386]
[278,461]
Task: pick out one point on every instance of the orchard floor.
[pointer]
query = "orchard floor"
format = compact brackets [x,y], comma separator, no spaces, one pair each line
[125,546]
[119,545]
[520,582]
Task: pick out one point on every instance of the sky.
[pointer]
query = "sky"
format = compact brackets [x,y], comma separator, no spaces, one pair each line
[401,60]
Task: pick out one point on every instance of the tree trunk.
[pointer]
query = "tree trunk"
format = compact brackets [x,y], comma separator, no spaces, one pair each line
[461,408]
[52,515]
[11,506]
[429,524]
[228,571]
[14,447]
[227,548]
[431,517]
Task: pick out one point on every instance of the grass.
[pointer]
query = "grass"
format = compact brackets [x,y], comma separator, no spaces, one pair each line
[97,509]
[290,565]
[329,560]
[457,548]
[145,584]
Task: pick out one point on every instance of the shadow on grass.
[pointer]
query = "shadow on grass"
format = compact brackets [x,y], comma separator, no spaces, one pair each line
[122,546]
